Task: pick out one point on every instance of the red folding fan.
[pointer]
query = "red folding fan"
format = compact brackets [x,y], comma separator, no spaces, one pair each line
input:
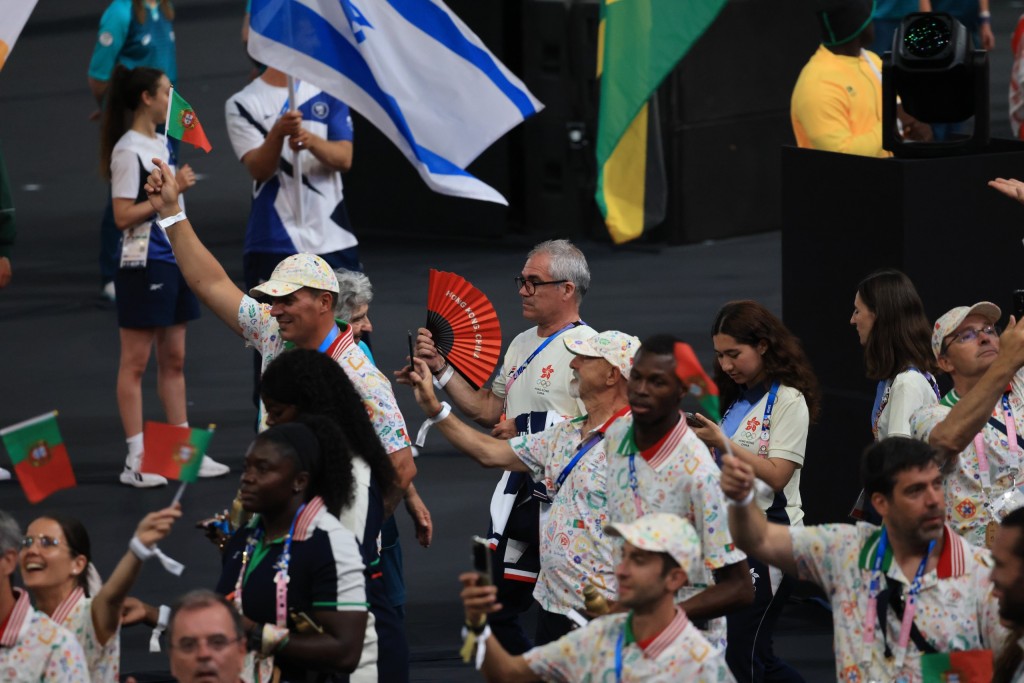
[464,326]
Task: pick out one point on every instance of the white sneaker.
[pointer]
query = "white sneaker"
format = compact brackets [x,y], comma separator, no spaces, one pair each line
[108,291]
[210,468]
[4,474]
[131,476]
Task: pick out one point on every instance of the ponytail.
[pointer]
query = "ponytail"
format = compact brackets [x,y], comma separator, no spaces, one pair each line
[123,96]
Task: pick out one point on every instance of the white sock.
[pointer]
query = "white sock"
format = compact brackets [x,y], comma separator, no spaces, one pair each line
[134,445]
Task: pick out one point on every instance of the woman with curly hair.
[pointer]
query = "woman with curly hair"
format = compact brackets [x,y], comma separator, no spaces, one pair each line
[771,395]
[309,382]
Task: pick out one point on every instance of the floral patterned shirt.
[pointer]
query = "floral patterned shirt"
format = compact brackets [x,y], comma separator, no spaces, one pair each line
[678,653]
[969,507]
[75,614]
[955,608]
[679,476]
[261,331]
[573,547]
[33,648]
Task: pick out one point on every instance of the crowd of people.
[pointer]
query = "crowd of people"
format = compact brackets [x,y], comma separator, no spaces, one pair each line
[656,544]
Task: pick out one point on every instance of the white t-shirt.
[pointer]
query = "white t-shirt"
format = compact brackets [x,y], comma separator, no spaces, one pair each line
[787,440]
[544,384]
[273,222]
[910,391]
[131,162]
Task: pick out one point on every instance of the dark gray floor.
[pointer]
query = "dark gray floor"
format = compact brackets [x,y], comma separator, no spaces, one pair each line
[59,345]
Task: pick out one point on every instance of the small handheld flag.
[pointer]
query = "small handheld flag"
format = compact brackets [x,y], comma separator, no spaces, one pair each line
[967,666]
[174,452]
[183,124]
[39,456]
[691,373]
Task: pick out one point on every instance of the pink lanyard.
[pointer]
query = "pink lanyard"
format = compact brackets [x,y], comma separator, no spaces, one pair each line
[1011,443]
[281,578]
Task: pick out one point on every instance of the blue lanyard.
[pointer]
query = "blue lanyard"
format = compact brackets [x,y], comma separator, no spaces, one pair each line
[584,447]
[618,653]
[540,348]
[634,484]
[331,336]
[766,421]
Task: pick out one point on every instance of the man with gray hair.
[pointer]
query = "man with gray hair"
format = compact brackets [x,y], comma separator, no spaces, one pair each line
[354,296]
[207,641]
[31,644]
[530,393]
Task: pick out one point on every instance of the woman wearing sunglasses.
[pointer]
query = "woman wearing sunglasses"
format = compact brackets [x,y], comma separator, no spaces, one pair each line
[57,570]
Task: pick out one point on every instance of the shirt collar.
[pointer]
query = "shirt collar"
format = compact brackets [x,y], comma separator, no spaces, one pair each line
[663,640]
[952,562]
[658,454]
[12,629]
[68,604]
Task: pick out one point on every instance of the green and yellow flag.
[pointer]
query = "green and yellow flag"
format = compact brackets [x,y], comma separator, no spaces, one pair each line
[639,43]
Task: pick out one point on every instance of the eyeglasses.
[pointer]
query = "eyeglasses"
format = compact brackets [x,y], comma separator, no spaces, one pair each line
[44,541]
[970,334]
[216,642]
[531,285]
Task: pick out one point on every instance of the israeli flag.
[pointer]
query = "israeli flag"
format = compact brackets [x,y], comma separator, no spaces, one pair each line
[411,67]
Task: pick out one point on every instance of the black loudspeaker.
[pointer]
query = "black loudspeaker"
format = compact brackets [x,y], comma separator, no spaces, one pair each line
[559,43]
[384,192]
[726,115]
[845,216]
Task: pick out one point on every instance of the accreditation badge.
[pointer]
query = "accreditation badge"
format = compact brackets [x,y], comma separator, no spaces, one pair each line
[135,247]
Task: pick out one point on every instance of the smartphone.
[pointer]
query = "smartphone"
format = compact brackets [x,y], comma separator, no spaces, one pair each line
[1018,304]
[692,420]
[412,349]
[482,559]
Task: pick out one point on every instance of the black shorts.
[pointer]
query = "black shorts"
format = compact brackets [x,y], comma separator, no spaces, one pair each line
[154,296]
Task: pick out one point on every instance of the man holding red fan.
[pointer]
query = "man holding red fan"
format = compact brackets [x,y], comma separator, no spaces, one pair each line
[529,394]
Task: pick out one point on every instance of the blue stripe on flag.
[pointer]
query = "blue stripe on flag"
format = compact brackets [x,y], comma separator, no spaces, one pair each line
[322,42]
[436,23]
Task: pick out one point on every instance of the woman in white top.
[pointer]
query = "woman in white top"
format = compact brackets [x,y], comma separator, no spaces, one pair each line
[771,395]
[896,336]
[56,568]
[153,301]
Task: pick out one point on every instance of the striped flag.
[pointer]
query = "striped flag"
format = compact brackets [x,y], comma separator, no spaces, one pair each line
[183,124]
[13,15]
[39,456]
[411,67]
[639,43]
[174,452]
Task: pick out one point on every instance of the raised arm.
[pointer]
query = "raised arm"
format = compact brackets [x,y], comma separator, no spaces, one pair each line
[203,273]
[486,450]
[479,405]
[498,665]
[969,415]
[108,602]
[751,531]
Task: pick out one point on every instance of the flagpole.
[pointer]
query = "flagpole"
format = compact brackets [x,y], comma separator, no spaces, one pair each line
[177,496]
[167,119]
[296,160]
[27,423]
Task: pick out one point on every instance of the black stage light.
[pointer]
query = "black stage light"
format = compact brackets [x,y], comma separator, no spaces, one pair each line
[939,77]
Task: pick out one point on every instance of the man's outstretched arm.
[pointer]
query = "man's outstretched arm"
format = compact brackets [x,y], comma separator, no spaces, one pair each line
[203,273]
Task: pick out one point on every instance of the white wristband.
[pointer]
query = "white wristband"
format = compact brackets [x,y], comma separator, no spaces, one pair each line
[421,435]
[481,644]
[747,500]
[171,220]
[161,624]
[442,381]
[141,551]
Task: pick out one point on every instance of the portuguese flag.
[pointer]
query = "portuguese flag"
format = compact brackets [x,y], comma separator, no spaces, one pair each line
[691,373]
[39,456]
[174,452]
[968,666]
[183,124]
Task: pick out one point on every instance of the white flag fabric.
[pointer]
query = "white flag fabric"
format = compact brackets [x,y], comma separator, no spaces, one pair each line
[13,15]
[411,67]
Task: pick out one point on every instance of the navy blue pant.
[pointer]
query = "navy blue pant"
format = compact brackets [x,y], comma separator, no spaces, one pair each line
[749,652]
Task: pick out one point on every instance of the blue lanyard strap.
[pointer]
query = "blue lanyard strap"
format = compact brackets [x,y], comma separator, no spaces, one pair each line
[540,348]
[331,336]
[584,448]
[619,643]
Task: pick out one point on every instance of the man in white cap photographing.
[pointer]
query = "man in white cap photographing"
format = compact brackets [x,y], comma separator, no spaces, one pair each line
[976,427]
[654,641]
